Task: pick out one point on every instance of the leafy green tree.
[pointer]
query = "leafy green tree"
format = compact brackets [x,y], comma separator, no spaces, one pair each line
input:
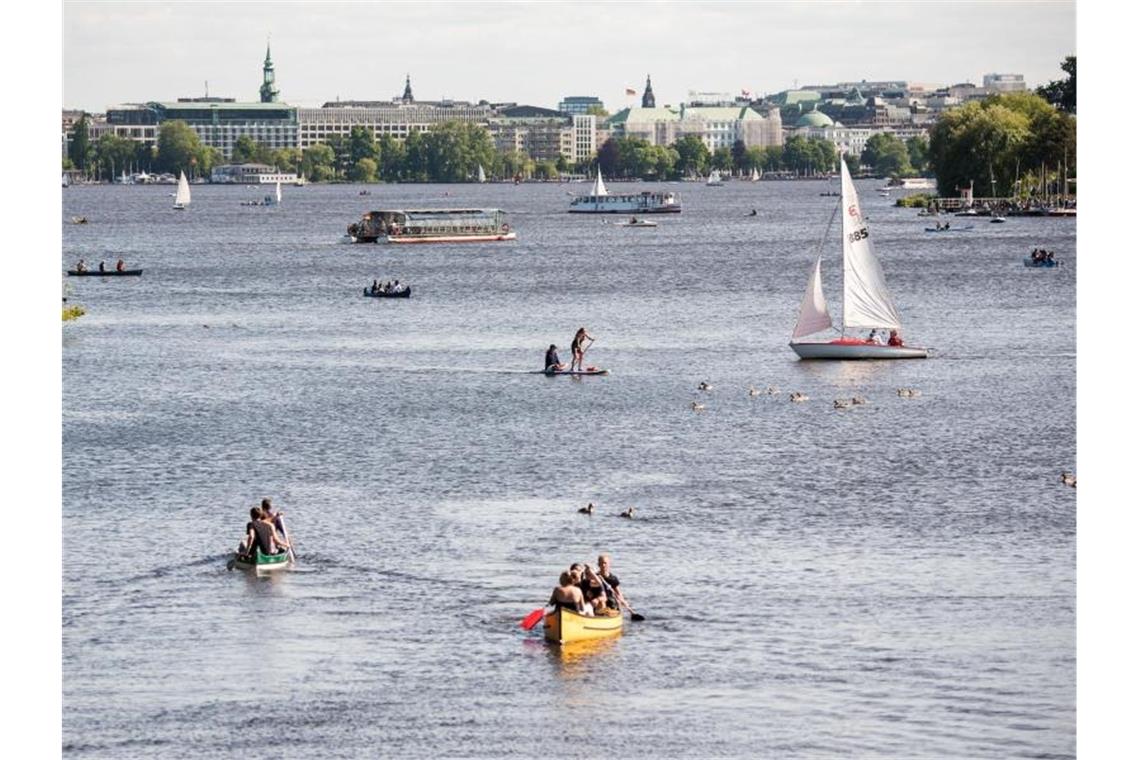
[317,163]
[693,155]
[392,157]
[178,147]
[245,150]
[739,155]
[1062,93]
[287,160]
[854,165]
[598,111]
[609,158]
[918,152]
[887,155]
[342,150]
[773,158]
[80,151]
[722,159]
[361,144]
[978,143]
[753,159]
[546,170]
[363,170]
[113,155]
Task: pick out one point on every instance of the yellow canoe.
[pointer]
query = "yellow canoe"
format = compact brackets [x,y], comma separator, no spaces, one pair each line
[564,626]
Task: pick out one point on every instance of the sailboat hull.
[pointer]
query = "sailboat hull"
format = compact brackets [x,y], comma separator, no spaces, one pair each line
[855,349]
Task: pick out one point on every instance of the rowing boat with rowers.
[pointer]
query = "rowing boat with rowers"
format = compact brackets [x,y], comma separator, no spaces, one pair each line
[104,273]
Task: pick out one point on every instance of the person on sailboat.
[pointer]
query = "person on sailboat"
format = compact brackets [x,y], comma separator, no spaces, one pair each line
[120,266]
[552,363]
[577,349]
[875,337]
[895,339]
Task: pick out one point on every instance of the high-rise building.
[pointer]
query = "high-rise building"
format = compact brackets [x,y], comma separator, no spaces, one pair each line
[1004,82]
[579,104]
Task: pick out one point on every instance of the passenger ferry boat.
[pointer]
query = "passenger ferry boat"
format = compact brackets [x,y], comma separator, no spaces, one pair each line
[599,201]
[432,225]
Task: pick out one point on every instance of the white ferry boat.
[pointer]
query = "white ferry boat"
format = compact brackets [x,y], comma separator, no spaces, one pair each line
[432,225]
[600,201]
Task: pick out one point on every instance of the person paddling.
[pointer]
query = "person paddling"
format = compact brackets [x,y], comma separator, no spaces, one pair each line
[577,349]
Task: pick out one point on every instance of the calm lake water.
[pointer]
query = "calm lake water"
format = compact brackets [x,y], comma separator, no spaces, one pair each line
[892,580]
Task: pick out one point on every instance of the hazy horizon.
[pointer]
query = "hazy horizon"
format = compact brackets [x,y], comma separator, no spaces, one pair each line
[536,53]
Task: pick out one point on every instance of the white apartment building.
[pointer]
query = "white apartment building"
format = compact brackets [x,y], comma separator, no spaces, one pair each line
[316,125]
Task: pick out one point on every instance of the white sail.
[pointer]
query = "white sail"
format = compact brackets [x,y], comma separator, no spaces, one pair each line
[755,175]
[482,174]
[866,302]
[279,191]
[714,178]
[66,180]
[182,197]
[813,308]
[599,186]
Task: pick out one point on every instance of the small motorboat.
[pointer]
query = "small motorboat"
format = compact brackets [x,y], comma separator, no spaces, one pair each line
[637,223]
[79,220]
[565,626]
[404,292]
[968,212]
[259,563]
[997,220]
[104,273]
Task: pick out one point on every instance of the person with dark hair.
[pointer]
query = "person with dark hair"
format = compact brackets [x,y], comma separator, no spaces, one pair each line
[552,362]
[577,349]
[567,595]
[895,339]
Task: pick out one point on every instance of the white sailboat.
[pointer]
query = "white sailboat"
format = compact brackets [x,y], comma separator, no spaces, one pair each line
[482,174]
[714,179]
[275,199]
[599,188]
[182,197]
[866,303]
[66,180]
[755,175]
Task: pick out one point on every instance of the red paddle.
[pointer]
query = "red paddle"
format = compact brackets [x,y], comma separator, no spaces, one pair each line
[531,620]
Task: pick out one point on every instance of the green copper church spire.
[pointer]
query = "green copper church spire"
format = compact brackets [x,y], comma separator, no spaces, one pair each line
[269,89]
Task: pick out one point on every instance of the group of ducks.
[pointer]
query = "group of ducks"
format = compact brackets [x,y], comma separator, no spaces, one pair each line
[589,510]
[796,396]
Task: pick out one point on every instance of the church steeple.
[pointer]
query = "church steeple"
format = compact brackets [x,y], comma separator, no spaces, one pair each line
[407,97]
[269,89]
[647,100]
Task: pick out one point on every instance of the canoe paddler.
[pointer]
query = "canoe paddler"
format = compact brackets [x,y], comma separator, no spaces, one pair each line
[552,362]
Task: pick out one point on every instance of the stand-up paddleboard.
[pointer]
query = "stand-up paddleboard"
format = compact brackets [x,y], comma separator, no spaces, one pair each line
[578,372]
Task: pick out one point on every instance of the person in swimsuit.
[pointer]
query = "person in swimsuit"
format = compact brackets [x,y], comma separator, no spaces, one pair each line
[120,265]
[568,595]
[577,349]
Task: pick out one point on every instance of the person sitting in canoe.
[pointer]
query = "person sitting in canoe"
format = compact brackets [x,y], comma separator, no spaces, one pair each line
[395,287]
[263,535]
[577,349]
[633,220]
[895,339]
[567,595]
[552,363]
[605,572]
[273,515]
[81,266]
[102,266]
[590,585]
[120,265]
[375,287]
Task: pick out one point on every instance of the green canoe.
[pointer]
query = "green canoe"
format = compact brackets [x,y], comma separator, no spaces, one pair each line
[261,563]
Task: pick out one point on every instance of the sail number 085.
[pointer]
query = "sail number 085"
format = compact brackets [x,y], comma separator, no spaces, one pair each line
[858,234]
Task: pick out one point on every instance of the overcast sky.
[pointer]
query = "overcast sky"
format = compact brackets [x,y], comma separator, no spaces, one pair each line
[536,53]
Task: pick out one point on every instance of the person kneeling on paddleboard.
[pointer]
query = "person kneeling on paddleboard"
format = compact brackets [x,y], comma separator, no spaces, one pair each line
[552,363]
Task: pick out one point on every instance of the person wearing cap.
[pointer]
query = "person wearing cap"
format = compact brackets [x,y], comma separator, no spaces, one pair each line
[552,363]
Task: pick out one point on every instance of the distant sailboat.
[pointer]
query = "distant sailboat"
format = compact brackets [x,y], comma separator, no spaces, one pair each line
[482,174]
[66,180]
[599,187]
[866,303]
[182,197]
[755,175]
[714,179]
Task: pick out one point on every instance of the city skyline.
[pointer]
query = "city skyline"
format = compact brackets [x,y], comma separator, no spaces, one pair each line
[538,53]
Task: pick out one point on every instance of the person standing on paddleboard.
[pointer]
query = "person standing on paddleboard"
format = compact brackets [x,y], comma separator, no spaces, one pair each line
[577,349]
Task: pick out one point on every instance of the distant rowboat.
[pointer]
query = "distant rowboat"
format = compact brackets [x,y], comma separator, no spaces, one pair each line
[105,273]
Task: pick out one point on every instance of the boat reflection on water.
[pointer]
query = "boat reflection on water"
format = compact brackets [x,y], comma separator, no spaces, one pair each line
[579,658]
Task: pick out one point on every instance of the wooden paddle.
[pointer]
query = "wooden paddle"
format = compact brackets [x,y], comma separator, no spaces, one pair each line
[531,620]
[634,616]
